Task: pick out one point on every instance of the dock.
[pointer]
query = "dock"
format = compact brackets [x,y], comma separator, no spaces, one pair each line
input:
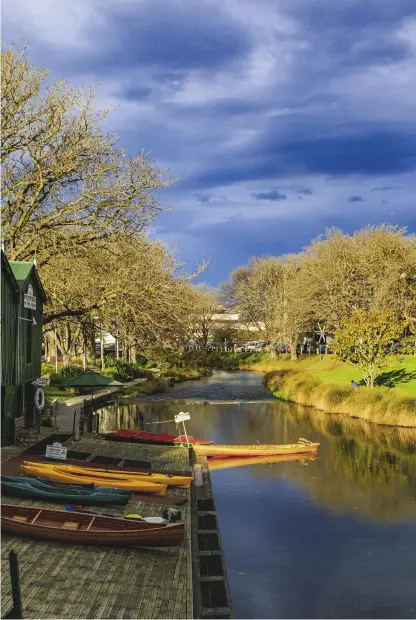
[71,581]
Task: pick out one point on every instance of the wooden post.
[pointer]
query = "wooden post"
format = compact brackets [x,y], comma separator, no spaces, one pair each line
[102,351]
[56,352]
[16,610]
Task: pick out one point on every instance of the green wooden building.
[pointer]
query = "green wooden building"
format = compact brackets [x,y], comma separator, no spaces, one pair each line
[22,299]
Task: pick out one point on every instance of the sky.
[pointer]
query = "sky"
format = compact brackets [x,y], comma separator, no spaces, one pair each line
[279,118]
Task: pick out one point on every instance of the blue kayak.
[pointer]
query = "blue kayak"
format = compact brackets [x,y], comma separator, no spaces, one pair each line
[87,494]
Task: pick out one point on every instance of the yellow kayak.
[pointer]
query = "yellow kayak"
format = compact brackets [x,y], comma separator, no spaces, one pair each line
[170,481]
[302,447]
[75,478]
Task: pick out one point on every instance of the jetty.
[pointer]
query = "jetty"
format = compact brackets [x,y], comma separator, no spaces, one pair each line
[72,581]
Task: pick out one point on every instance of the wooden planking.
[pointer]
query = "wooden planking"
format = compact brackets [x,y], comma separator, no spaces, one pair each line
[70,581]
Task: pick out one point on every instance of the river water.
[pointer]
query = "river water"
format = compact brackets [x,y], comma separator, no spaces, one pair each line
[328,538]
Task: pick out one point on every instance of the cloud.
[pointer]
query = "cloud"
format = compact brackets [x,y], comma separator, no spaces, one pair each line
[273,195]
[241,96]
[355,199]
[384,188]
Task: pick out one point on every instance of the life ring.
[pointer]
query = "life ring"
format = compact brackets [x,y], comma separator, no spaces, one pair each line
[39,399]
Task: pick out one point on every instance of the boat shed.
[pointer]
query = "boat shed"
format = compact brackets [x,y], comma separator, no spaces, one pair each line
[23,297]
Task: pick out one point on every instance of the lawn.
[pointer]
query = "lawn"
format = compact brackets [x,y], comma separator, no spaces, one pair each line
[401,375]
[52,392]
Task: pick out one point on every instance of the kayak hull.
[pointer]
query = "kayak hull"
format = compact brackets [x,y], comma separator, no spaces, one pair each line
[106,473]
[129,483]
[256,450]
[92,498]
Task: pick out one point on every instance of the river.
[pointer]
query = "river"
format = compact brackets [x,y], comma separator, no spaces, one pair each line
[328,538]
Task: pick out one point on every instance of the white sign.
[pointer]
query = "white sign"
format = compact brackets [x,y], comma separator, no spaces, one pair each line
[56,451]
[182,417]
[29,300]
[42,382]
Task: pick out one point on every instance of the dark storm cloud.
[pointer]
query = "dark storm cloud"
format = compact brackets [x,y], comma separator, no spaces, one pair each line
[355,199]
[273,195]
[366,151]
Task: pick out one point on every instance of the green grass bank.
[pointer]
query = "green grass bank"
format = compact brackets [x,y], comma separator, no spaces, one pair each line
[325,383]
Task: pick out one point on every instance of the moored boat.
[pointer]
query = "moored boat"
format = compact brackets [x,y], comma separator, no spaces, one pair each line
[59,473]
[84,529]
[302,447]
[169,480]
[48,491]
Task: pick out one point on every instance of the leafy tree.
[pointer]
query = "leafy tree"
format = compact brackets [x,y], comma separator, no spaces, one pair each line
[365,339]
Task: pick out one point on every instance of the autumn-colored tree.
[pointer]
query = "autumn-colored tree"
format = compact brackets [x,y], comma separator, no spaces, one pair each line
[364,340]
[66,184]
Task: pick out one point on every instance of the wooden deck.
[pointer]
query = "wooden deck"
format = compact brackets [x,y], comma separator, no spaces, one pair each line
[70,581]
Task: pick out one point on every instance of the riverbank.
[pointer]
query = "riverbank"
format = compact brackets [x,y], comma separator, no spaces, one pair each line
[325,385]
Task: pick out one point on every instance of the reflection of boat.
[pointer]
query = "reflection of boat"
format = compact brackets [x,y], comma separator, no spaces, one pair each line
[61,473]
[48,491]
[219,462]
[169,480]
[84,529]
[302,447]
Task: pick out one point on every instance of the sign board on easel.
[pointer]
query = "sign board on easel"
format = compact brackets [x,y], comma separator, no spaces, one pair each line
[182,417]
[56,451]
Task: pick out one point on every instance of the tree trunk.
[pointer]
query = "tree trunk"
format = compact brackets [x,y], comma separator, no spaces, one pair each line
[293,351]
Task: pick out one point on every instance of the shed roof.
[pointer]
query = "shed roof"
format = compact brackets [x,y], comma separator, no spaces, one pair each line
[5,266]
[22,270]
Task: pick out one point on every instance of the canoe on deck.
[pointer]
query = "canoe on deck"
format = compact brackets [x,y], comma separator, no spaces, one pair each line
[59,473]
[48,491]
[219,462]
[169,480]
[84,529]
[97,465]
[257,449]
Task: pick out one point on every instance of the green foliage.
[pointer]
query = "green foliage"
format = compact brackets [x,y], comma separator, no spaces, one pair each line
[365,341]
[68,372]
[122,370]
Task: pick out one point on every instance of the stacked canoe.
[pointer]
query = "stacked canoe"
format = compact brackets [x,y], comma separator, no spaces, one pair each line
[50,491]
[141,482]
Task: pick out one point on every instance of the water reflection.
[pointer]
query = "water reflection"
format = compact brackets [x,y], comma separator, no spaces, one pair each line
[332,537]
[362,468]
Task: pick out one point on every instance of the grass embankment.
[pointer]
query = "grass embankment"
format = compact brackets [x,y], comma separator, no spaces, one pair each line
[325,384]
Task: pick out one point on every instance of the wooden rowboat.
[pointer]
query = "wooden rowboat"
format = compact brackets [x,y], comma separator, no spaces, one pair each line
[169,480]
[84,529]
[218,462]
[302,447]
[66,476]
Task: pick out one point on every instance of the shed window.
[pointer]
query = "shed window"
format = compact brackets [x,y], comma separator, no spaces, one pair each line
[29,343]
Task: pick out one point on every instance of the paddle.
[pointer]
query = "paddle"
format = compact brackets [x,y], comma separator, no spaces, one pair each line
[130,517]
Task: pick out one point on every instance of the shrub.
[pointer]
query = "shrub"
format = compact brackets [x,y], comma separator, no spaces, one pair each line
[55,378]
[68,372]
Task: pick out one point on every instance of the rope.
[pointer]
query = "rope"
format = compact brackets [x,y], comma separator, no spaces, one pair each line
[164,422]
